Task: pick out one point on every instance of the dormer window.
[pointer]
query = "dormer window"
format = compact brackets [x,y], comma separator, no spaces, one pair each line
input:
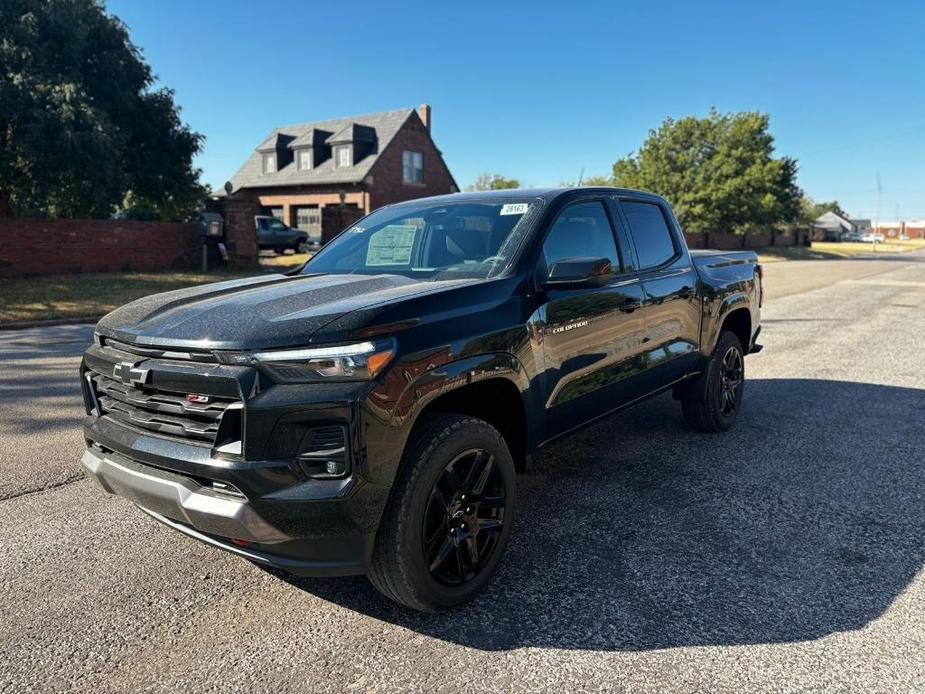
[343,155]
[412,167]
[269,162]
[305,159]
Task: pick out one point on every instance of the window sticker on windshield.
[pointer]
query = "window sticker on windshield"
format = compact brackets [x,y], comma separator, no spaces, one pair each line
[391,245]
[515,208]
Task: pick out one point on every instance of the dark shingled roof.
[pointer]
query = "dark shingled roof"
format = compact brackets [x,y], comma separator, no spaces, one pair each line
[312,138]
[274,142]
[353,132]
[377,127]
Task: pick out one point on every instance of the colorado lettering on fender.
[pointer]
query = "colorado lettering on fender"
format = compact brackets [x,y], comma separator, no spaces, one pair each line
[568,326]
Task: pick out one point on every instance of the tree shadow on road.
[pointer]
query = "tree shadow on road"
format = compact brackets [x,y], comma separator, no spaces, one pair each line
[807,519]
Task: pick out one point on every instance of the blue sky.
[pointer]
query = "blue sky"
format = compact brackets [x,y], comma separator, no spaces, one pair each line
[539,91]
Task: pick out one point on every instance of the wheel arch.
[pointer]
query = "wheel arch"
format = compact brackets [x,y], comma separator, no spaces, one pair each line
[738,321]
[491,387]
[734,313]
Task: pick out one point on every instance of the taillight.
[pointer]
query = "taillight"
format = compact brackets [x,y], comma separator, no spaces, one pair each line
[760,272]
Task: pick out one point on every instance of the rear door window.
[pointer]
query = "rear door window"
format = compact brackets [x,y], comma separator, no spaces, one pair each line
[651,235]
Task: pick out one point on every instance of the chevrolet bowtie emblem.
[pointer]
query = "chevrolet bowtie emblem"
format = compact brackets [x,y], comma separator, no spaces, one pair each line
[130,374]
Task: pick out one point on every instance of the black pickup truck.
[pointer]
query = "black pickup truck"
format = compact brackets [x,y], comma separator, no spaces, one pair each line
[368,413]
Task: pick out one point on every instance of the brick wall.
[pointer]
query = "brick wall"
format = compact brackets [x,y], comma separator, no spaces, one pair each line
[388,186]
[238,211]
[334,219]
[728,242]
[58,246]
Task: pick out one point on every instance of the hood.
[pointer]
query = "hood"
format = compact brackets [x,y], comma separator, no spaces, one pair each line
[257,312]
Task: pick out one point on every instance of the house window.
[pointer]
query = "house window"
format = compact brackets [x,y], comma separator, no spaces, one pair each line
[343,156]
[412,167]
[305,159]
[269,163]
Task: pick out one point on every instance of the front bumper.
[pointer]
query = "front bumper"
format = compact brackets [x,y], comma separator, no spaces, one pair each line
[230,524]
[179,498]
[251,485]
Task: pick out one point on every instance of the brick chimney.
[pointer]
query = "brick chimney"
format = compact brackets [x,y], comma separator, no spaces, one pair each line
[424,113]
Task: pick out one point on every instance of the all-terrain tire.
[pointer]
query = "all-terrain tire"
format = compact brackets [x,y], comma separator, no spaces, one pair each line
[399,567]
[709,408]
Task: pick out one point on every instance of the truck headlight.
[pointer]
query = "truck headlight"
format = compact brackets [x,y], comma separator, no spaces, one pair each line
[361,361]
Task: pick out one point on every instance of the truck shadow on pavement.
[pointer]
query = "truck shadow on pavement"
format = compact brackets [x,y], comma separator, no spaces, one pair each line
[807,519]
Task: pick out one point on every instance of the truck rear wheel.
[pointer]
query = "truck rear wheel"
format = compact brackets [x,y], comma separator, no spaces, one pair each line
[449,516]
[716,404]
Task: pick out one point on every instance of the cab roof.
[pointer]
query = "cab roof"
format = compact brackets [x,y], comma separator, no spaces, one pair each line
[545,194]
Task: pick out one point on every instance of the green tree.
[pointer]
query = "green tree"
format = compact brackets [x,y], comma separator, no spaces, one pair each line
[810,210]
[81,125]
[487,181]
[718,172]
[597,181]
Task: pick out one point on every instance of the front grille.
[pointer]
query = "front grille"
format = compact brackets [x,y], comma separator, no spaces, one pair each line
[159,411]
[159,352]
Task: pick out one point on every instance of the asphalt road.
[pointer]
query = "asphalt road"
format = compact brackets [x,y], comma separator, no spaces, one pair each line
[786,555]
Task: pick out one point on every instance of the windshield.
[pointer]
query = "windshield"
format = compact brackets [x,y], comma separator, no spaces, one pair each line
[430,242]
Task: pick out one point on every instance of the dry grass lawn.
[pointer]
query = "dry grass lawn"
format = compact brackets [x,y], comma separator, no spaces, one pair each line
[830,250]
[78,297]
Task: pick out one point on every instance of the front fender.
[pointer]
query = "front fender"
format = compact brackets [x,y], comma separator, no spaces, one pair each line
[391,434]
[444,378]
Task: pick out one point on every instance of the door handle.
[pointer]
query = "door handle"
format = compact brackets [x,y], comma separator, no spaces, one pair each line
[630,305]
[686,292]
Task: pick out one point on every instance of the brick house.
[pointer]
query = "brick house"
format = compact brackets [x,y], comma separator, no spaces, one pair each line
[893,231]
[321,176]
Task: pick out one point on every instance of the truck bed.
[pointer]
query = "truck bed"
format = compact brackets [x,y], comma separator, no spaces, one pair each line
[719,268]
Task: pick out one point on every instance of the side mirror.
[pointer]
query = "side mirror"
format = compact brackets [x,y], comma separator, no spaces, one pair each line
[574,273]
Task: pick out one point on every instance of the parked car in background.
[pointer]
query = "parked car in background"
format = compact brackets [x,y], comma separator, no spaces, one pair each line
[870,237]
[273,235]
[854,236]
[368,415]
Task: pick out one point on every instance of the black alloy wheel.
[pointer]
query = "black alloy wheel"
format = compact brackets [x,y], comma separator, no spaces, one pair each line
[449,516]
[730,380]
[713,401]
[463,518]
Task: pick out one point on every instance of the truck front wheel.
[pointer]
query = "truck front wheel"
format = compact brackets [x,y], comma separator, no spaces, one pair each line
[714,406]
[449,516]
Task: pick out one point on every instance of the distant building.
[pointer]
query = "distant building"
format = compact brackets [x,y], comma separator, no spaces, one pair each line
[345,166]
[911,228]
[832,226]
[915,228]
[890,229]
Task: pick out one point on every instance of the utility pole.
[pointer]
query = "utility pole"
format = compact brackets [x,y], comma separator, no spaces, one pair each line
[877,217]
